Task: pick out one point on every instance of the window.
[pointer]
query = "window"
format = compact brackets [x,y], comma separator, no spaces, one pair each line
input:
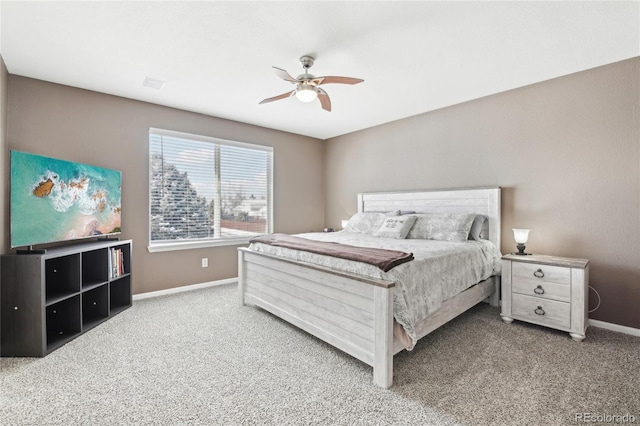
[205,191]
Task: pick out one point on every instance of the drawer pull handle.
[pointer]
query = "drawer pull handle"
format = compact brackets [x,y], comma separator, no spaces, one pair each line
[538,273]
[538,290]
[539,311]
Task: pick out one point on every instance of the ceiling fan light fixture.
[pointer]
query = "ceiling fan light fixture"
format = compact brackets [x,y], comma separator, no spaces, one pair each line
[306,92]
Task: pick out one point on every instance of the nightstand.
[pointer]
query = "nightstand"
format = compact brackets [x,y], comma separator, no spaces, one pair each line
[546,290]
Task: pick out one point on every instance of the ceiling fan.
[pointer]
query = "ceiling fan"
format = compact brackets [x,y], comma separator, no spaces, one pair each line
[307,89]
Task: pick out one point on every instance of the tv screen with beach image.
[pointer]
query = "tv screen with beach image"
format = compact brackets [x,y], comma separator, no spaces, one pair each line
[56,200]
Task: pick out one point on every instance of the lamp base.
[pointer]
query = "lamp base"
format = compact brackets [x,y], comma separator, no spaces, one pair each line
[520,251]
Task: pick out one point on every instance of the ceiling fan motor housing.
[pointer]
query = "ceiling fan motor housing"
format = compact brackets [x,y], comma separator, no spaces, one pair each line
[305,77]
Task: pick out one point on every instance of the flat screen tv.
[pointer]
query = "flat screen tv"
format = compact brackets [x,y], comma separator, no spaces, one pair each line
[56,200]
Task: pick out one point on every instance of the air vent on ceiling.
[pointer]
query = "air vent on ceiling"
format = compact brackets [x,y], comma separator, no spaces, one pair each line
[153,83]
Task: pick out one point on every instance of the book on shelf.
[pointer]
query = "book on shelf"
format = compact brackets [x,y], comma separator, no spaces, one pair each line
[116,262]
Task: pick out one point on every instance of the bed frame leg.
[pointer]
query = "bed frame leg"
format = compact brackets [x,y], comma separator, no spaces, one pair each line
[383,340]
[494,299]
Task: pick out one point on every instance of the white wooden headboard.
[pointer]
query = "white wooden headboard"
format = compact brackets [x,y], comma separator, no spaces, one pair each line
[484,201]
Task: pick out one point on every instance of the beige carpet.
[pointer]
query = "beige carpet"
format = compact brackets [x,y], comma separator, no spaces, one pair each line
[197,358]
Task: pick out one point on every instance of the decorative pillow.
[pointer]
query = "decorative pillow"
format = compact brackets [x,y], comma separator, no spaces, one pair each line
[395,227]
[476,227]
[367,222]
[442,226]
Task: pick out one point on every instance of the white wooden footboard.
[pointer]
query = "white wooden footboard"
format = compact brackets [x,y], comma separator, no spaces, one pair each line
[352,313]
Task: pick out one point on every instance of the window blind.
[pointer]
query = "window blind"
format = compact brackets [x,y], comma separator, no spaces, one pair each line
[204,188]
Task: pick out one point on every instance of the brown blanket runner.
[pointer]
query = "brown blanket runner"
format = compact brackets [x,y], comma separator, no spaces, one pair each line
[382,258]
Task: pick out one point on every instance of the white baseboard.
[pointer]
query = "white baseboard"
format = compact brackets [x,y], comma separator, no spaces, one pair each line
[183,288]
[615,327]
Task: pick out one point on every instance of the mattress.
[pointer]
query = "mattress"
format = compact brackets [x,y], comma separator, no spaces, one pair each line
[439,271]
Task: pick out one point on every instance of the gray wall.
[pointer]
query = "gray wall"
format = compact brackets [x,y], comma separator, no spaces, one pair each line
[566,153]
[4,163]
[4,160]
[108,131]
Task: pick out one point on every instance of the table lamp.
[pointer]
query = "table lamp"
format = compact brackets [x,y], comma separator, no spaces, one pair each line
[521,236]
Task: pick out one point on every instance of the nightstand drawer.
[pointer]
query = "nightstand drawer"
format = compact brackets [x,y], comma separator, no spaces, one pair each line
[541,311]
[543,289]
[541,273]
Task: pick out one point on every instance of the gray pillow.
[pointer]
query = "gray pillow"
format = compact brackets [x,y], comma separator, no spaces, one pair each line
[476,227]
[442,226]
[395,227]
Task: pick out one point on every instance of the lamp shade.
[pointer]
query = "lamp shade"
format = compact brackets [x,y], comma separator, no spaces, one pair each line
[306,92]
[520,235]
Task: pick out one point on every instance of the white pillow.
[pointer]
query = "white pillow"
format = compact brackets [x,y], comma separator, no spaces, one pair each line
[395,227]
[442,226]
[367,222]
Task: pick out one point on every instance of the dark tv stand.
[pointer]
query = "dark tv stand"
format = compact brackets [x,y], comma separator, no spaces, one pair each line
[48,299]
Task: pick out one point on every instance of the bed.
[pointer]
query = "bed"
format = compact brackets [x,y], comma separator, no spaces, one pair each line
[354,310]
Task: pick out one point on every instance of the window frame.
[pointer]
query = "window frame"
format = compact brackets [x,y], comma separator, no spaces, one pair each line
[171,245]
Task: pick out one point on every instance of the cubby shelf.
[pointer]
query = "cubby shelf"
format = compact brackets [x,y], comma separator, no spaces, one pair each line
[49,299]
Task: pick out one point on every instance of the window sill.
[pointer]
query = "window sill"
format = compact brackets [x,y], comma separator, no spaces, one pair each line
[189,245]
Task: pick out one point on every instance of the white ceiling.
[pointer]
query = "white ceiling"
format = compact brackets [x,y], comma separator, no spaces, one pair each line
[216,57]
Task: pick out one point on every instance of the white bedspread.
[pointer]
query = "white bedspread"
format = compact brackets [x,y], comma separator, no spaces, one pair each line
[441,269]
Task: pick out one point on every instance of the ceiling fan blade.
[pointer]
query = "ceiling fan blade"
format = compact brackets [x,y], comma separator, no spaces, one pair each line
[277,98]
[284,75]
[324,100]
[332,79]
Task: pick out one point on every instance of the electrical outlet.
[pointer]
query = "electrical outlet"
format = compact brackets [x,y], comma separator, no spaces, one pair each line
[205,262]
